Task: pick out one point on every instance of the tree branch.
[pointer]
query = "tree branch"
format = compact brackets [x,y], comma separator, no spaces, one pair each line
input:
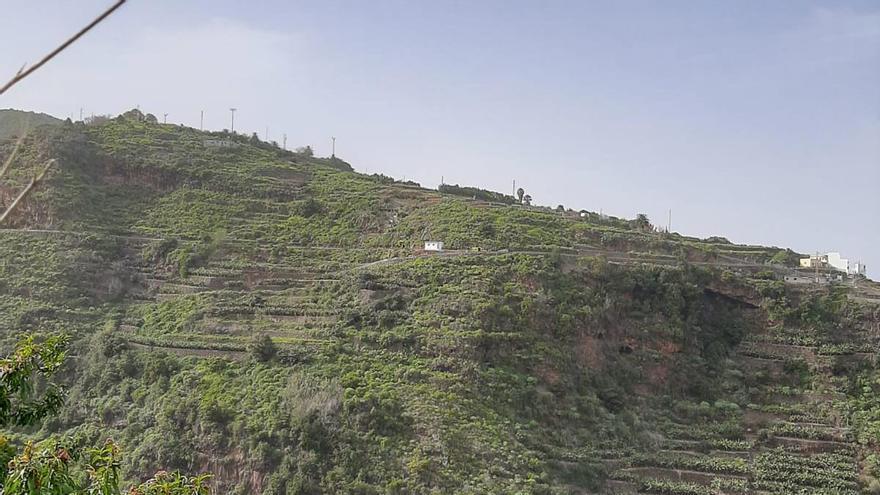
[37,178]
[23,73]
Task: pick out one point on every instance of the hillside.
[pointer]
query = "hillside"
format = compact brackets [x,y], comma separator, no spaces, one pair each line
[269,317]
[14,123]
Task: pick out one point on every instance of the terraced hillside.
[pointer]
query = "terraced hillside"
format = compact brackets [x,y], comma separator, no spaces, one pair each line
[269,317]
[792,436]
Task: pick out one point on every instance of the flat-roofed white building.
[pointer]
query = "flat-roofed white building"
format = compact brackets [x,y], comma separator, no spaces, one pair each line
[433,245]
[220,143]
[858,268]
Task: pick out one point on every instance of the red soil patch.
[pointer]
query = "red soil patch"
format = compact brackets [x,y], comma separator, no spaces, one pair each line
[547,374]
[589,352]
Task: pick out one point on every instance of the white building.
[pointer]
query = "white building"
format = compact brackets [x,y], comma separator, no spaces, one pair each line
[220,143]
[857,268]
[433,245]
[833,261]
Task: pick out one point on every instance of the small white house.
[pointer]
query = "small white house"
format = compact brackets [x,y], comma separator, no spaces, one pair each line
[433,245]
[220,143]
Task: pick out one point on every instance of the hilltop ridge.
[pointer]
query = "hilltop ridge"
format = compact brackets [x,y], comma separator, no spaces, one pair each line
[17,122]
[176,157]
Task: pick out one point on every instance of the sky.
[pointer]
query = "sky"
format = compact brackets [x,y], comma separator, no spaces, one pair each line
[753,120]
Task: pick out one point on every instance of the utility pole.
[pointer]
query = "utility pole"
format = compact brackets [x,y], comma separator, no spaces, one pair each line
[202,120]
[514,188]
[284,141]
[333,153]
[669,222]
[165,119]
[80,114]
[232,126]
[267,134]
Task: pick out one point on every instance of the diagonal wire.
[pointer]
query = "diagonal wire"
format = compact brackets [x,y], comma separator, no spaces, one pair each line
[37,178]
[11,157]
[24,72]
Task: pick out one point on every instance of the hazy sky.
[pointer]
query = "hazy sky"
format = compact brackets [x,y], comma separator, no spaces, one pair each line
[759,121]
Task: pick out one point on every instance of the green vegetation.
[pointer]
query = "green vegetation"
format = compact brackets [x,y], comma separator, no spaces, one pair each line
[477,193]
[15,123]
[268,317]
[54,466]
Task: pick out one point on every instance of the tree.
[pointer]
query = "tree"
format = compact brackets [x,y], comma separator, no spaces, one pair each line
[52,468]
[262,348]
[527,200]
[520,193]
[133,114]
[31,362]
[642,222]
[151,119]
[305,150]
[560,209]
[309,207]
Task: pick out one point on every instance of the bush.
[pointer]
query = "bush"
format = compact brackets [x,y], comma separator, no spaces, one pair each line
[477,193]
[262,348]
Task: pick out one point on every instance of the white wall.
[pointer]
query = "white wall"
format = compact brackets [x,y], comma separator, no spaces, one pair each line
[835,261]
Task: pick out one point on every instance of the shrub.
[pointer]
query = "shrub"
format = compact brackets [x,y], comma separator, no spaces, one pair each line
[262,348]
[477,193]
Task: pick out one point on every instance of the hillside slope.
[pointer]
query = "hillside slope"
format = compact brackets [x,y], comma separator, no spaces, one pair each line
[268,316]
[14,123]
